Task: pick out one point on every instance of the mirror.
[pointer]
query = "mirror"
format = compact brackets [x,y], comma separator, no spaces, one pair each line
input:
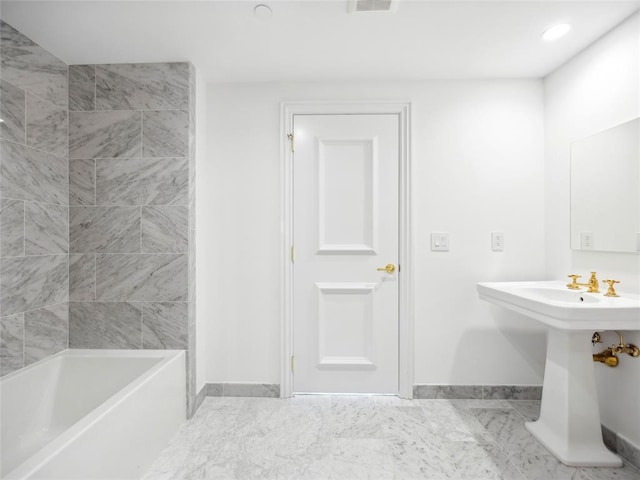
[605,190]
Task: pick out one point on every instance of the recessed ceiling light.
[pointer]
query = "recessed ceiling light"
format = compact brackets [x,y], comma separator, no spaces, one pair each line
[555,32]
[262,11]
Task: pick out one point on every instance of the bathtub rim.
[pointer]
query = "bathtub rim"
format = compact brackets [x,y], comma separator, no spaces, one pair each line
[46,453]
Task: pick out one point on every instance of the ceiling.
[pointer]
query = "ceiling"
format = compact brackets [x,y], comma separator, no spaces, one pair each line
[308,40]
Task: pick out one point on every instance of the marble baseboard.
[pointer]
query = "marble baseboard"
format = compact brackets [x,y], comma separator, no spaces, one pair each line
[267,390]
[200,396]
[478,392]
[620,445]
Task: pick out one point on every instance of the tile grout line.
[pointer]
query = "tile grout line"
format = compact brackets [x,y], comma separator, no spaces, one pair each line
[95,277]
[35,309]
[65,157]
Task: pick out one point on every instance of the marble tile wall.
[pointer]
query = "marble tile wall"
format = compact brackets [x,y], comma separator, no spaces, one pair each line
[34,202]
[131,195]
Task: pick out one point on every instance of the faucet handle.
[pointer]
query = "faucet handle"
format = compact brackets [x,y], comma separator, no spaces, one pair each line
[611,292]
[574,282]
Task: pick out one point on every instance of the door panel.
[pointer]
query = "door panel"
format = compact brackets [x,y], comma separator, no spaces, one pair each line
[347,171]
[345,226]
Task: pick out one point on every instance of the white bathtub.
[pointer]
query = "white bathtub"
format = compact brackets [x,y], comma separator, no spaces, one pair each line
[85,414]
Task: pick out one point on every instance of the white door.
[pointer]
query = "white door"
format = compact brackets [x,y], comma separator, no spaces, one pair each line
[345,230]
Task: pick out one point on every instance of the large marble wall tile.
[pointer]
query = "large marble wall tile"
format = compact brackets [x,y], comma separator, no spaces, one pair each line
[27,65]
[142,181]
[104,134]
[46,331]
[105,325]
[12,111]
[11,343]
[145,277]
[11,227]
[82,277]
[46,126]
[104,229]
[165,133]
[82,87]
[164,325]
[33,282]
[142,86]
[29,174]
[46,228]
[165,229]
[82,182]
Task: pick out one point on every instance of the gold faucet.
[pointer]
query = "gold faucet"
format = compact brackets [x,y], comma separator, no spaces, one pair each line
[593,286]
[611,292]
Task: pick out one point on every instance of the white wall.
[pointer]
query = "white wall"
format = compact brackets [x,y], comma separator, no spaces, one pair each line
[477,167]
[597,89]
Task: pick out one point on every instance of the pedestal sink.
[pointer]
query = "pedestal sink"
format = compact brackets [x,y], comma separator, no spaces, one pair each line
[569,423]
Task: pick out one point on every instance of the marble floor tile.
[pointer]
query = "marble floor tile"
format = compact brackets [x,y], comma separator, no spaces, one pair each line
[627,472]
[474,462]
[311,437]
[529,409]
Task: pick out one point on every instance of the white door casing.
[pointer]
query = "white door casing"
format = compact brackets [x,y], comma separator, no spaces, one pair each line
[361,297]
[345,226]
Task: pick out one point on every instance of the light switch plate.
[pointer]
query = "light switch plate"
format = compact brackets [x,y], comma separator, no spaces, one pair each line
[439,242]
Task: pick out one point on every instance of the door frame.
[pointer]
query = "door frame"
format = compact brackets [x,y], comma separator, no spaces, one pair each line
[405,287]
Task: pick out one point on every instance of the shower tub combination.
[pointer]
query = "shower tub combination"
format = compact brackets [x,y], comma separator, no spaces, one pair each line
[91,414]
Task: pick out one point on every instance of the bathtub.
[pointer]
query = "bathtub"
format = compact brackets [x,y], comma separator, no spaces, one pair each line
[85,414]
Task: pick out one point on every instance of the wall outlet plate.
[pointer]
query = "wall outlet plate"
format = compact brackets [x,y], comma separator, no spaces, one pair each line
[586,240]
[497,241]
[439,242]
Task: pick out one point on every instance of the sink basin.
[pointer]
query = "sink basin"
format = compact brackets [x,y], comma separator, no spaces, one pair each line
[569,423]
[553,304]
[556,295]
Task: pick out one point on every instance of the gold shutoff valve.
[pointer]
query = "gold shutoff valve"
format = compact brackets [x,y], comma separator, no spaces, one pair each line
[389,268]
[609,356]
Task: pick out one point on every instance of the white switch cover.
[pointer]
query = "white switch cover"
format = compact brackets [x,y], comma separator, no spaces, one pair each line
[586,240]
[439,242]
[497,241]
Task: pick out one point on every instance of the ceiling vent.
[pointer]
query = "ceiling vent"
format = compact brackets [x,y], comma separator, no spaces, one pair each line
[357,6]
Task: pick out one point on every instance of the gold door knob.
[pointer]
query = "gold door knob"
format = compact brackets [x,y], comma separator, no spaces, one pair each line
[389,268]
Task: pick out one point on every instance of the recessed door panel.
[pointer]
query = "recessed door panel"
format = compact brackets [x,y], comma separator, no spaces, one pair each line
[347,181]
[345,325]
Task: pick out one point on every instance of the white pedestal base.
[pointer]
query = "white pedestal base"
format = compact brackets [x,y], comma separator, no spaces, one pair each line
[569,423]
